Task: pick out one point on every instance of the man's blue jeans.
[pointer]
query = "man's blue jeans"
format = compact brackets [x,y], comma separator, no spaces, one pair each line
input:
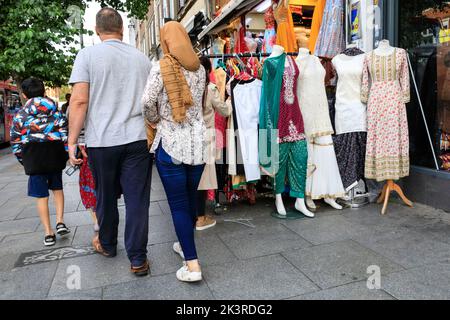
[180,182]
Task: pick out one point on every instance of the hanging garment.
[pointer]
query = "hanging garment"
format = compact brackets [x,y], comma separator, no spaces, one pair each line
[386,89]
[293,155]
[270,35]
[331,39]
[246,97]
[290,121]
[285,31]
[293,166]
[316,23]
[312,97]
[351,113]
[324,181]
[269,111]
[213,104]
[218,47]
[350,154]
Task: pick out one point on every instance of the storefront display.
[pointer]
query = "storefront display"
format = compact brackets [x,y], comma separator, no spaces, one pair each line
[363,145]
[386,90]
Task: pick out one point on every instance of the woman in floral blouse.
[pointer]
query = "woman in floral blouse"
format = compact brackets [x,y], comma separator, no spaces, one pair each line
[173,106]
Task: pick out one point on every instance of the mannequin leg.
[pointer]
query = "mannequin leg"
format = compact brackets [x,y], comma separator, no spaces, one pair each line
[297,171]
[332,202]
[301,206]
[280,178]
[310,203]
[280,205]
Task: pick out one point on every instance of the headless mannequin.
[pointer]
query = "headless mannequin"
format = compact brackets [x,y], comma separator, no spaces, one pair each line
[385,49]
[300,202]
[303,53]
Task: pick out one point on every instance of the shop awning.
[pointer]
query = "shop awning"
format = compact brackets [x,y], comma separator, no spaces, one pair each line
[230,12]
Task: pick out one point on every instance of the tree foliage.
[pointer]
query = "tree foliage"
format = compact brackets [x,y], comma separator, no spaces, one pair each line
[36,38]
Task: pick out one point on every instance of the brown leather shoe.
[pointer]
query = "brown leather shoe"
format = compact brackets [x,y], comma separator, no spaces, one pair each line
[99,249]
[141,271]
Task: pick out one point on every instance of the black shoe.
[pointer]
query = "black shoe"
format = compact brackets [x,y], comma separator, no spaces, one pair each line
[62,229]
[50,240]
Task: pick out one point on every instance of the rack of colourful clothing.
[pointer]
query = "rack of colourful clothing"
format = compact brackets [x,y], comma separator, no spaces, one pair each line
[238,78]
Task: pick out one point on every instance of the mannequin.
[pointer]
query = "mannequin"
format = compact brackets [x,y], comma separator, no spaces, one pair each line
[323,180]
[384,48]
[394,128]
[285,35]
[300,202]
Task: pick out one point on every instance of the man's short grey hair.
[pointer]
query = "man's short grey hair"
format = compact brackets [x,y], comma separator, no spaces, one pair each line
[109,21]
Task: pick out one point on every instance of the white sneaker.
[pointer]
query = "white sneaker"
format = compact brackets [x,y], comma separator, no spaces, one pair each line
[183,274]
[178,250]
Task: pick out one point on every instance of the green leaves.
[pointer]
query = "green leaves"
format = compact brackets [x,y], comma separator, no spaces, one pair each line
[37,40]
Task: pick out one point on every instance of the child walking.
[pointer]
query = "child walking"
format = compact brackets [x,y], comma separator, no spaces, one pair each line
[38,138]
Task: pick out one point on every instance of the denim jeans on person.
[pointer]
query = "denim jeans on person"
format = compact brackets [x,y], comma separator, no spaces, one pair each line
[181,182]
[128,169]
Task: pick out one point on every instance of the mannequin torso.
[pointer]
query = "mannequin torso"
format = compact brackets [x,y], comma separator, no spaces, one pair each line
[384,48]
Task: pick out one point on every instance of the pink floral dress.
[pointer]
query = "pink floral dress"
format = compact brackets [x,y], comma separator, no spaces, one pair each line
[386,90]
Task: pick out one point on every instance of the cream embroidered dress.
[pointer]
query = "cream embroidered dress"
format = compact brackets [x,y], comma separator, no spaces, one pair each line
[324,179]
[386,88]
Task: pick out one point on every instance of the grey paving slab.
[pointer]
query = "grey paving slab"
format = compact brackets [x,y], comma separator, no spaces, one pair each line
[82,235]
[158,288]
[33,241]
[406,247]
[326,229]
[161,229]
[155,209]
[438,230]
[335,264]
[430,282]
[158,195]
[32,282]
[352,291]
[18,226]
[10,212]
[264,240]
[74,219]
[8,258]
[399,217]
[92,294]
[212,250]
[95,270]
[163,260]
[270,277]
[164,206]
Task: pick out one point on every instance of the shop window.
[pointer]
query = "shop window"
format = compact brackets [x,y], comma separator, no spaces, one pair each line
[424,32]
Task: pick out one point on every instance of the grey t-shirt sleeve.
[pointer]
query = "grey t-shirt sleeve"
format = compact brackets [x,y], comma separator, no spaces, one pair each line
[80,70]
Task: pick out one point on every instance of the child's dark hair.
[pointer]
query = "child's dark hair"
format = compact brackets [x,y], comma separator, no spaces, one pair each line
[33,87]
[206,63]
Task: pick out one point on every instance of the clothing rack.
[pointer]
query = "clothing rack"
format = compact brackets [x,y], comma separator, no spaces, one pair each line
[244,55]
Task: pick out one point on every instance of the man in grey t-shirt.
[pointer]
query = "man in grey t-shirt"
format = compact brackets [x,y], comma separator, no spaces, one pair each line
[108,82]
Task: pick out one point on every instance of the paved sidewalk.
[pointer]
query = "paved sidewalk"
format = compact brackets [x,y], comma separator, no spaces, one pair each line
[322,258]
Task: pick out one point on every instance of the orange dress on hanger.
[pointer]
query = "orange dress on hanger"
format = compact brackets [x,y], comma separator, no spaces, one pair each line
[285,31]
[316,23]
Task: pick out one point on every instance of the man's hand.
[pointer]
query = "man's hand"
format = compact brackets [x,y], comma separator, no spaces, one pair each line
[73,155]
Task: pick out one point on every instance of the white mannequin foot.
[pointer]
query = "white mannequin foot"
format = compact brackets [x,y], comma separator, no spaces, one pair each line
[301,206]
[333,203]
[310,203]
[280,205]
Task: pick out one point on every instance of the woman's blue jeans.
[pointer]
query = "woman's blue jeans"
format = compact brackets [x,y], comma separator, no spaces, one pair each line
[180,182]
